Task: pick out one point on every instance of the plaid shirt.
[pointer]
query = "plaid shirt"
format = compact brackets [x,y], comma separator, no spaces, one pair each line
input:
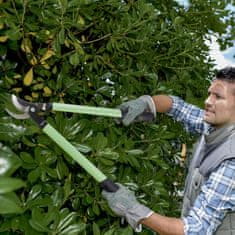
[217,195]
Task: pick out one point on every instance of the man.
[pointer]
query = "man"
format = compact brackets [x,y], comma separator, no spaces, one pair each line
[209,197]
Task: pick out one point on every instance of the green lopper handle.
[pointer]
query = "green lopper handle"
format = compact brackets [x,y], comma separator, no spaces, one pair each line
[74,153]
[108,112]
[105,183]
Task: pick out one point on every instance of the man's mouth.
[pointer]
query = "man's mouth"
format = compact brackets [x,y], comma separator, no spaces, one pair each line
[209,111]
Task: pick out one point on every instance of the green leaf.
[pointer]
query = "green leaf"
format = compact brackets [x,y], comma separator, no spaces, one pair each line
[10,204]
[100,141]
[56,46]
[9,161]
[61,169]
[14,34]
[128,231]
[110,232]
[10,131]
[83,148]
[178,20]
[64,4]
[135,152]
[66,221]
[68,187]
[96,229]
[52,216]
[40,220]
[61,36]
[51,172]
[38,227]
[74,229]
[34,175]
[26,157]
[95,208]
[74,59]
[58,197]
[106,162]
[27,142]
[8,184]
[39,201]
[3,50]
[35,191]
[133,161]
[109,154]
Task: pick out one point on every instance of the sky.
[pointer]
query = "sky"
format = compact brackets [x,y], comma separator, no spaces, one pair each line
[222,58]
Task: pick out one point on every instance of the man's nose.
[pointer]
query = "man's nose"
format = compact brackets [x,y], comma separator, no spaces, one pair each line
[208,101]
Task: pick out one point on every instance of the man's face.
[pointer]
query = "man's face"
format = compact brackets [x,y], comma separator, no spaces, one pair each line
[220,104]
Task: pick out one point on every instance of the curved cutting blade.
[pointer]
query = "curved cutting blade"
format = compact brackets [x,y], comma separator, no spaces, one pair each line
[18,116]
[18,108]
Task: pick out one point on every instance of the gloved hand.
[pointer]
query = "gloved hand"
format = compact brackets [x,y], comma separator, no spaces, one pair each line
[140,109]
[123,203]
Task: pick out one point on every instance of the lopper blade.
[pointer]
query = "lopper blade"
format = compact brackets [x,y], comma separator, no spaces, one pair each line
[18,108]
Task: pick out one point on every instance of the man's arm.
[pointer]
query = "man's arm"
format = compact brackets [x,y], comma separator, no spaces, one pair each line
[189,115]
[145,108]
[164,225]
[210,207]
[124,203]
[163,103]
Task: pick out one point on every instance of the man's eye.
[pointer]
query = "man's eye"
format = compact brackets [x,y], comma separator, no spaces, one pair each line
[218,96]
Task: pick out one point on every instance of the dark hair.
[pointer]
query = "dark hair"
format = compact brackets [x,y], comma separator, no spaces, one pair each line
[226,74]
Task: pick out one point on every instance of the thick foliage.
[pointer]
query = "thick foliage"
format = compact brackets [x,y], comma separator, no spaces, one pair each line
[98,53]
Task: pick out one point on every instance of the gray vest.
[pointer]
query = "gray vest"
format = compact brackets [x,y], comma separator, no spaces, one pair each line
[210,152]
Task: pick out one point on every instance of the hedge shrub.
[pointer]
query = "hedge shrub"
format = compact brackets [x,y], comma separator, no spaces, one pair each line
[97,53]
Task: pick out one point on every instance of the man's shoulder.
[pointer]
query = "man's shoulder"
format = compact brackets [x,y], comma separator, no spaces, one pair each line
[228,164]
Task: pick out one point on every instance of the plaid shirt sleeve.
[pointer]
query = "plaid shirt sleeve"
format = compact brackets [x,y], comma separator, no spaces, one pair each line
[215,199]
[189,115]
